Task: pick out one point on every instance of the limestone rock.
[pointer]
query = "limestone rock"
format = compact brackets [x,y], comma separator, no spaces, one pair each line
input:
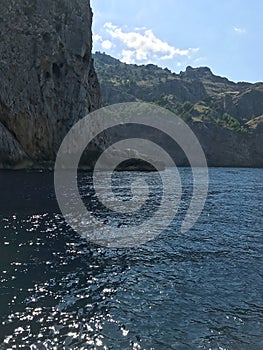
[47,79]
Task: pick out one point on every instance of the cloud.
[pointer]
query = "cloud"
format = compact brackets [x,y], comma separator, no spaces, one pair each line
[240,30]
[97,37]
[143,45]
[106,44]
[140,28]
[201,59]
[127,56]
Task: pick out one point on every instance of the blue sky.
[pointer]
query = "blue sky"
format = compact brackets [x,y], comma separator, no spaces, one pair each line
[224,35]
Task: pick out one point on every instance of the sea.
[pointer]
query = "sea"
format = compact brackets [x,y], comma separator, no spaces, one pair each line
[201,289]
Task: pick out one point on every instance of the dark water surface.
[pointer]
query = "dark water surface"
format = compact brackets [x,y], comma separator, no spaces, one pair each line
[200,290]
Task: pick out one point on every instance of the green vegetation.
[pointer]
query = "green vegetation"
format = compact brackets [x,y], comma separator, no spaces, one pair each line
[231,123]
[195,95]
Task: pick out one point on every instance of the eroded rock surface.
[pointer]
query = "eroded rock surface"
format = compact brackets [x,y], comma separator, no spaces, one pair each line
[47,79]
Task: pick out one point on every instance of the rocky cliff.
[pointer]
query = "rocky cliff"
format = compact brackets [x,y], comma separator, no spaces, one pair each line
[47,79]
[227,117]
[206,95]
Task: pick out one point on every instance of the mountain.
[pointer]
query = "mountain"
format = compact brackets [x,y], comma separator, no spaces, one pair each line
[47,78]
[227,117]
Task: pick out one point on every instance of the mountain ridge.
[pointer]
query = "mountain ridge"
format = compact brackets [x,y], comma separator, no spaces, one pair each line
[226,116]
[195,85]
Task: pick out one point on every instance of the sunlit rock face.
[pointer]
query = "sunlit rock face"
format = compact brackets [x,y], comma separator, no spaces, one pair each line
[47,79]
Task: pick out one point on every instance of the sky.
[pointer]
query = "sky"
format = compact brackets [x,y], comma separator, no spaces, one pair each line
[224,35]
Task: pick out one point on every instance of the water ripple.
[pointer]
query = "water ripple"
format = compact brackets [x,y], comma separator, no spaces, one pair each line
[202,290]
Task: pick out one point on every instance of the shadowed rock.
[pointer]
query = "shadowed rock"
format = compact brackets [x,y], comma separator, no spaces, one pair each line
[47,79]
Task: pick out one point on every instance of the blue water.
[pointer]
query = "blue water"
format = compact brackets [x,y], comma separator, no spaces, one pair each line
[200,290]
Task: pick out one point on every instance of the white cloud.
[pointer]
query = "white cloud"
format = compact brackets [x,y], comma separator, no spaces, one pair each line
[140,28]
[200,60]
[239,30]
[142,46]
[106,44]
[97,37]
[127,56]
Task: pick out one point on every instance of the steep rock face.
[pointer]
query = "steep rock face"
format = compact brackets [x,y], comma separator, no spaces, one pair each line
[226,148]
[249,103]
[11,153]
[47,79]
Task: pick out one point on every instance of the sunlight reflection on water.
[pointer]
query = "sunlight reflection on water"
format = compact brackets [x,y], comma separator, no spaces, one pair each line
[202,290]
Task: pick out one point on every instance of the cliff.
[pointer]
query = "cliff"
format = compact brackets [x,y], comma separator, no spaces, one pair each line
[47,78]
[227,117]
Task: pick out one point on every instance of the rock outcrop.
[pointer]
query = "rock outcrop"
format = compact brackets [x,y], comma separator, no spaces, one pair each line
[47,79]
[227,117]
[226,148]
